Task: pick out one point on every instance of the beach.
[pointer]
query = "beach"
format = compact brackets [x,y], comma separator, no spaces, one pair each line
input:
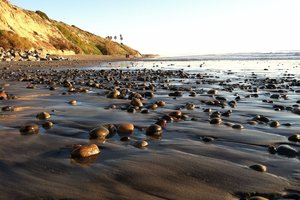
[231,129]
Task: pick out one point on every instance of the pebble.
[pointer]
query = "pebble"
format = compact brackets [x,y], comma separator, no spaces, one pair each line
[207,139]
[99,133]
[237,126]
[162,123]
[161,103]
[8,108]
[84,151]
[3,95]
[258,198]
[190,106]
[259,167]
[47,125]
[274,124]
[154,130]
[213,92]
[73,102]
[261,118]
[141,144]
[125,139]
[294,138]
[29,129]
[252,122]
[136,102]
[287,150]
[216,121]
[43,115]
[125,129]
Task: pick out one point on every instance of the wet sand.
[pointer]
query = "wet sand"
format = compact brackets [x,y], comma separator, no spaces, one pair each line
[193,159]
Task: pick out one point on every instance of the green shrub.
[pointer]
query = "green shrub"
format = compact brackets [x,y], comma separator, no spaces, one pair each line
[42,15]
[10,40]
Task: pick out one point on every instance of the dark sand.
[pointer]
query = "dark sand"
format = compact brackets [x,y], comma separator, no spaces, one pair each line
[177,166]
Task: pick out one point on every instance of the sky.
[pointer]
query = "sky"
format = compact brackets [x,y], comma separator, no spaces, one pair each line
[184,27]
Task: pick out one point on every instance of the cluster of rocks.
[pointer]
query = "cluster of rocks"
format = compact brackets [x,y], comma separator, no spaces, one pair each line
[27,55]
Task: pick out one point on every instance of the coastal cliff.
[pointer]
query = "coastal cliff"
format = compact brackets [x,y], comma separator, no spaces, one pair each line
[24,29]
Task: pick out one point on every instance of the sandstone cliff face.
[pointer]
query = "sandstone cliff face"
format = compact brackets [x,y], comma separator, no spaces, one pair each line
[36,30]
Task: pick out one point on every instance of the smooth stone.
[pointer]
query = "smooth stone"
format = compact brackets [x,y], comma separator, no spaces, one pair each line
[161,103]
[176,114]
[73,102]
[296,111]
[111,128]
[136,102]
[228,124]
[213,92]
[272,149]
[43,115]
[47,125]
[3,95]
[126,128]
[85,151]
[258,198]
[190,106]
[154,130]
[207,139]
[29,129]
[274,124]
[99,133]
[125,139]
[141,144]
[252,122]
[215,121]
[113,94]
[162,123]
[294,138]
[286,150]
[8,108]
[153,106]
[259,167]
[275,96]
[261,118]
[237,126]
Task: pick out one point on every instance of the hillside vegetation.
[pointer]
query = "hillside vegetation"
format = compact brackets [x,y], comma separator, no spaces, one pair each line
[23,29]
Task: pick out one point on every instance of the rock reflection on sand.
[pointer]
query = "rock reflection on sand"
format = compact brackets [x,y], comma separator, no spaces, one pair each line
[170,130]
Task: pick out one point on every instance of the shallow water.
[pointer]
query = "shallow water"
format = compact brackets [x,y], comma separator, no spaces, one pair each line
[177,166]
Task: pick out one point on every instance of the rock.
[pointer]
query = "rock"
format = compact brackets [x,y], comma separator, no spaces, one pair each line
[238,126]
[213,92]
[111,128]
[8,108]
[190,106]
[154,130]
[114,94]
[259,167]
[125,139]
[286,150]
[252,122]
[161,103]
[73,102]
[261,118]
[153,106]
[43,115]
[85,151]
[272,149]
[258,198]
[99,133]
[176,114]
[141,144]
[296,111]
[47,125]
[207,139]
[29,129]
[136,102]
[216,121]
[274,124]
[275,96]
[3,95]
[294,138]
[162,123]
[125,129]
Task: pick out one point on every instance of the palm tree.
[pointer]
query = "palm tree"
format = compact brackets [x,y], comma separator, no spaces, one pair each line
[121,38]
[115,37]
